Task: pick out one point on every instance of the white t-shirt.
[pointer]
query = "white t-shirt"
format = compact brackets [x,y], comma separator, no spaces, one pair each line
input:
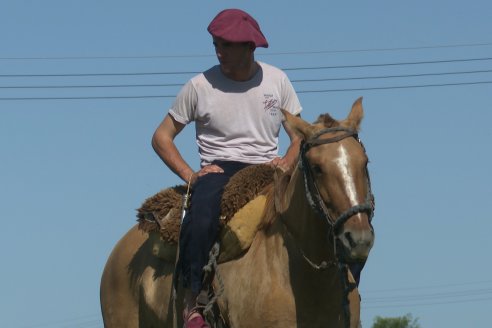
[236,121]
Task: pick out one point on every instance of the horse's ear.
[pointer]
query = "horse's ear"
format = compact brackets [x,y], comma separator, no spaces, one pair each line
[355,117]
[298,125]
[282,194]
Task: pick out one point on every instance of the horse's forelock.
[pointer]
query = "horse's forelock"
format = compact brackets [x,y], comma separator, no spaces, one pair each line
[327,121]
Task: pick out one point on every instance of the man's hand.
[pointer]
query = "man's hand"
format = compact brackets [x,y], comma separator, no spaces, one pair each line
[212,168]
[281,163]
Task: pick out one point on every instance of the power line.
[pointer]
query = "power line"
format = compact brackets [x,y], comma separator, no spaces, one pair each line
[390,76]
[91,86]
[378,49]
[89,97]
[299,92]
[473,300]
[388,64]
[285,69]
[469,295]
[313,52]
[427,287]
[439,295]
[294,81]
[396,87]
[69,322]
[458,295]
[99,74]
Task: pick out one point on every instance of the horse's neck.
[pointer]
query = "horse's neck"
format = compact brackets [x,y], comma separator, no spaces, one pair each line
[308,231]
[301,242]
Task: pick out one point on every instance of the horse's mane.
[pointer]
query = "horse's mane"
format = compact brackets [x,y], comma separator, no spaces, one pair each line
[276,202]
[271,212]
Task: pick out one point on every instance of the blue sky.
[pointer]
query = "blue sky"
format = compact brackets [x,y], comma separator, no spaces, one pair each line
[73,171]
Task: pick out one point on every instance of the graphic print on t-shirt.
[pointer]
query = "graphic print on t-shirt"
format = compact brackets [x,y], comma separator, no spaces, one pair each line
[271,105]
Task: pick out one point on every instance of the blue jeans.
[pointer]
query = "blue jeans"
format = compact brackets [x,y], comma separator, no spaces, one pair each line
[200,226]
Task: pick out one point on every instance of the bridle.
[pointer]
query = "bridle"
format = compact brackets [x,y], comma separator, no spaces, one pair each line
[315,200]
[312,192]
[317,203]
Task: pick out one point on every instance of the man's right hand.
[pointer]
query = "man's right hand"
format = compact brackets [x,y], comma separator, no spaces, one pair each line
[212,168]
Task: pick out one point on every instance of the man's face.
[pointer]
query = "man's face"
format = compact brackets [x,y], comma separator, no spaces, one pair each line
[233,56]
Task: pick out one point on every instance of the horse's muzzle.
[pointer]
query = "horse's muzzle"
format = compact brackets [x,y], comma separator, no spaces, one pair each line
[354,245]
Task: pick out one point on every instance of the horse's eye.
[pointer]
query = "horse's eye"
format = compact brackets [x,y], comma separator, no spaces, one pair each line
[316,169]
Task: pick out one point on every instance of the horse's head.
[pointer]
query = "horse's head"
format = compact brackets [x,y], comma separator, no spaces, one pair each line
[334,165]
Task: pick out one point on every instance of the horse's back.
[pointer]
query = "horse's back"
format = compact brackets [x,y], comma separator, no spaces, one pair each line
[136,286]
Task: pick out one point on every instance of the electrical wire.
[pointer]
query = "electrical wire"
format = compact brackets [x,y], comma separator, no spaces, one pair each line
[455,295]
[431,295]
[81,321]
[417,304]
[293,81]
[312,52]
[285,69]
[427,287]
[299,92]
[396,87]
[387,64]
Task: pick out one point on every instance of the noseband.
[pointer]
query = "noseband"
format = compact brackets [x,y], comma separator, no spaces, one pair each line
[312,192]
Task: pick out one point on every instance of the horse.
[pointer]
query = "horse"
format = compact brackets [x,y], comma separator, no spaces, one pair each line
[316,222]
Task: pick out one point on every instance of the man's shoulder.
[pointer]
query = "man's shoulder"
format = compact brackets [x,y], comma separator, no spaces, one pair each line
[212,71]
[207,77]
[271,70]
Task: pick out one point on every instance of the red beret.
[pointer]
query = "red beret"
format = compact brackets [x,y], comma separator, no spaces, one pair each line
[235,25]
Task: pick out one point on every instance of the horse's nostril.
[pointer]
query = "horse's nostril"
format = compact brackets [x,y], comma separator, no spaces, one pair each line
[349,238]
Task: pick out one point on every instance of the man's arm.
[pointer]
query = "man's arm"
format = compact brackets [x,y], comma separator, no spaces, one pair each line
[163,144]
[288,161]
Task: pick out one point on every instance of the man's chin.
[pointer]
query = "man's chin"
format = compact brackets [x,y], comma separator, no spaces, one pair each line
[226,69]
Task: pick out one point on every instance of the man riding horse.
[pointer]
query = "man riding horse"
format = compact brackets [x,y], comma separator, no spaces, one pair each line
[236,109]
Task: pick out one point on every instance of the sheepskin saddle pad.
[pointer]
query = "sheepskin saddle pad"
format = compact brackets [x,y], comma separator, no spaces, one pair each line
[242,207]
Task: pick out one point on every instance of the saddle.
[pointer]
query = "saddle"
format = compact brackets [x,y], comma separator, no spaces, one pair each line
[242,206]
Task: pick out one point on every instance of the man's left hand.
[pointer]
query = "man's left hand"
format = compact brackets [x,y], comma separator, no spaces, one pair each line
[281,163]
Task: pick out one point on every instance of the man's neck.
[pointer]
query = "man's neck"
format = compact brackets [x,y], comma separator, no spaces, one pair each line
[243,74]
